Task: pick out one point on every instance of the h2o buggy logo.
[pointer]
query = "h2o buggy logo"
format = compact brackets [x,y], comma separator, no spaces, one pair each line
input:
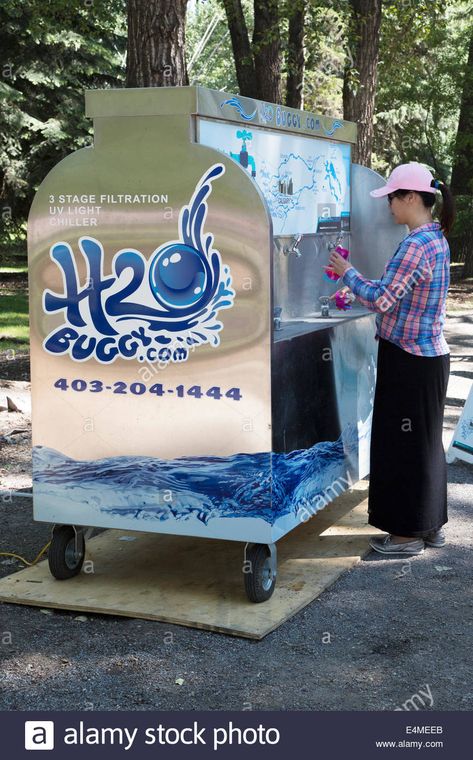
[169,305]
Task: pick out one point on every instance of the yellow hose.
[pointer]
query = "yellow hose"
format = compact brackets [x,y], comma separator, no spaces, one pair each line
[22,559]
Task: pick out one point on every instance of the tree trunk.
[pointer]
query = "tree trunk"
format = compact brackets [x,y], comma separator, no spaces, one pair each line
[156,43]
[468,266]
[462,171]
[258,65]
[295,56]
[266,51]
[360,79]
[244,65]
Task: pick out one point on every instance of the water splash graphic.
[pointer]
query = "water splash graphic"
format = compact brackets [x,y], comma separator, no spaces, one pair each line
[264,485]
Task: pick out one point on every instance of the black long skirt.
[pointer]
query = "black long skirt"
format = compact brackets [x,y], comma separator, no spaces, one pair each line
[408,470]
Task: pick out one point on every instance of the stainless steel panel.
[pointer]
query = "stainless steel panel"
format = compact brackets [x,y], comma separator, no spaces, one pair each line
[374,233]
[299,281]
[323,390]
[141,101]
[295,327]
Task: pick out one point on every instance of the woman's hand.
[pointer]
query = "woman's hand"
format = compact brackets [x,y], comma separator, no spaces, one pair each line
[338,264]
[341,292]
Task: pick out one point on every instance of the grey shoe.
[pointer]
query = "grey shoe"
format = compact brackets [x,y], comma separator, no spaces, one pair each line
[436,539]
[384,545]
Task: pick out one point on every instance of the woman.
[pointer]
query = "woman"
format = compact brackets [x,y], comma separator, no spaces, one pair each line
[408,478]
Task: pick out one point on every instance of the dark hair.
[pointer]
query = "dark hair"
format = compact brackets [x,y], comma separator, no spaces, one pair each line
[447,212]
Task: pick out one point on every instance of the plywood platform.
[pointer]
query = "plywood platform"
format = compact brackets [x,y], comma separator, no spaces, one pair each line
[198,582]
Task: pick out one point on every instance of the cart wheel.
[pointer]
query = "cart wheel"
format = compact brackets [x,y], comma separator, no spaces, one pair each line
[66,553]
[260,575]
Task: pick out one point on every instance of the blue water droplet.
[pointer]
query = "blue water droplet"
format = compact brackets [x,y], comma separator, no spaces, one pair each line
[178,275]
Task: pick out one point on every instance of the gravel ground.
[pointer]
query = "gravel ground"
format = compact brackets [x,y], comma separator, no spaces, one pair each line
[385,632]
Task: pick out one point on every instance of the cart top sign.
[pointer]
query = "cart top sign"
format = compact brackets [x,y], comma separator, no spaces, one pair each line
[200,101]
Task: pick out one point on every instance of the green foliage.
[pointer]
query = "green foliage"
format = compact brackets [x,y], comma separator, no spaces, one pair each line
[52,52]
[209,52]
[14,322]
[461,237]
[210,55]
[326,52]
[424,47]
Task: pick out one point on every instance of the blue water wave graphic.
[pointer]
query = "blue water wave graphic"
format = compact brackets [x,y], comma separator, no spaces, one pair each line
[264,485]
[335,125]
[235,103]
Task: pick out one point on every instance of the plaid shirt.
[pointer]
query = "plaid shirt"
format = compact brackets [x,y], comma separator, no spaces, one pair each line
[411,295]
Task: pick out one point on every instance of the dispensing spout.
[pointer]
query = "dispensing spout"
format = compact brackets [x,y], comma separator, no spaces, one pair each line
[324,306]
[331,246]
[277,317]
[293,248]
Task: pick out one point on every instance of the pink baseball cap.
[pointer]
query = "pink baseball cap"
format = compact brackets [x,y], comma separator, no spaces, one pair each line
[412,176]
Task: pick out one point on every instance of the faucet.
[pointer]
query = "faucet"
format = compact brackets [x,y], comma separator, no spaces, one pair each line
[324,306]
[277,317]
[293,248]
[331,246]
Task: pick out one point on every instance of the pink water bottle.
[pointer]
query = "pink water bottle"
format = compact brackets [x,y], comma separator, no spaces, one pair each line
[329,273]
[343,300]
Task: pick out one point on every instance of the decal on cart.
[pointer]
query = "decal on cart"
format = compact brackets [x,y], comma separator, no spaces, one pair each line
[274,487]
[159,309]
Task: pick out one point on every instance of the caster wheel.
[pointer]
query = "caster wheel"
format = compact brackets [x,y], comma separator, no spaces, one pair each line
[66,553]
[259,573]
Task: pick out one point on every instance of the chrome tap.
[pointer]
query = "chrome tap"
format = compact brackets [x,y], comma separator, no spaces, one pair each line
[331,246]
[293,248]
[324,306]
[277,317]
